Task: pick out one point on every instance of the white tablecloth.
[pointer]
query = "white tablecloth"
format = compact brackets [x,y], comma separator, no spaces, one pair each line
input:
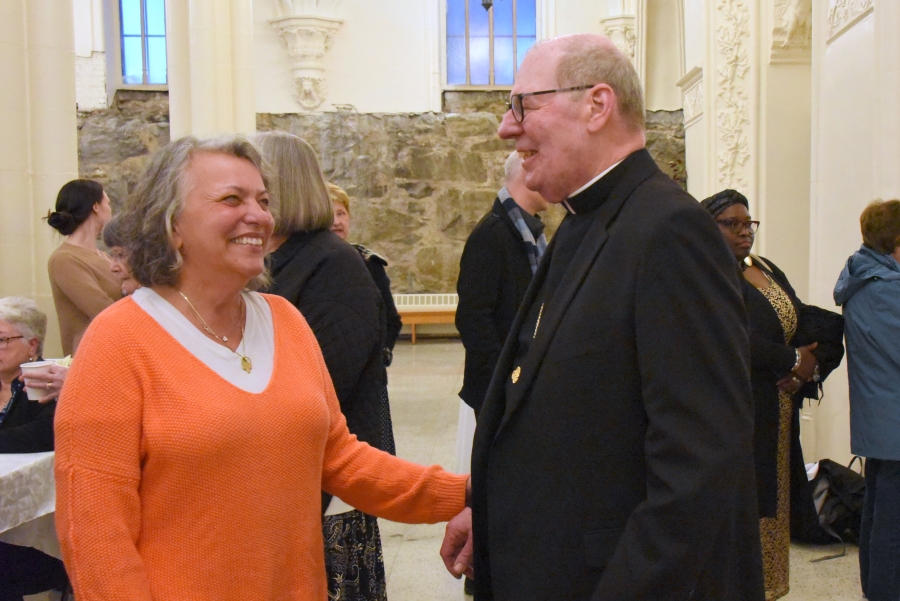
[28,500]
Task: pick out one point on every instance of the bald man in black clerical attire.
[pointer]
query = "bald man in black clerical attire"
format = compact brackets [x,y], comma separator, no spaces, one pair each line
[613,457]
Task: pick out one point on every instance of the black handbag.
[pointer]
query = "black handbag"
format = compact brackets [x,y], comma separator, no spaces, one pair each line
[816,324]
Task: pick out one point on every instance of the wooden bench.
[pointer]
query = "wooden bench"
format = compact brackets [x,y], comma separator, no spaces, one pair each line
[415,309]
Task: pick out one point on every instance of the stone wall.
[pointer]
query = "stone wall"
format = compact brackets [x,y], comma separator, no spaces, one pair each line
[418,182]
[115,143]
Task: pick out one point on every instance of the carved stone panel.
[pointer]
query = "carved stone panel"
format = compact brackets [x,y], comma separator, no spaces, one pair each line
[622,31]
[792,31]
[842,13]
[732,101]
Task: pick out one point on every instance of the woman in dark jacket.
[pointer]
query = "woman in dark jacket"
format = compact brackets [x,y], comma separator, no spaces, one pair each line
[779,371]
[340,204]
[326,279]
[25,427]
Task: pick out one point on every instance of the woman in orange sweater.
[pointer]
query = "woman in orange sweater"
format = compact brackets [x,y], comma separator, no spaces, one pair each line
[199,423]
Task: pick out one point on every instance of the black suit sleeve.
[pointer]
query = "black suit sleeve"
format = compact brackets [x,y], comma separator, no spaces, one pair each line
[34,436]
[694,363]
[478,287]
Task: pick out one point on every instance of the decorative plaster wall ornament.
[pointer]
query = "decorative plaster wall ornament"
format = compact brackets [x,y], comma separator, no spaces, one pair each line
[307,38]
[794,24]
[733,98]
[621,30]
[843,13]
[692,95]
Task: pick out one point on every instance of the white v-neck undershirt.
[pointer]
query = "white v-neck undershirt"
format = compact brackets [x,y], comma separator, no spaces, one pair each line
[258,343]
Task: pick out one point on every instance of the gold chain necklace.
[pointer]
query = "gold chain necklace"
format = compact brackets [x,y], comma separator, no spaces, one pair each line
[246,363]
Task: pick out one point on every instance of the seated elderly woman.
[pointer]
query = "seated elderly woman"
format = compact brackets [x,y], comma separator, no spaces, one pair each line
[25,427]
[199,423]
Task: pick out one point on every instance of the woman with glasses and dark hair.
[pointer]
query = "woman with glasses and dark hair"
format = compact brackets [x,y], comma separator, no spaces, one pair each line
[80,278]
[779,370]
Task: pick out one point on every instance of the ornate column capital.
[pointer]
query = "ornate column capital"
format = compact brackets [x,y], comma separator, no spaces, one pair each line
[307,39]
[792,31]
[622,30]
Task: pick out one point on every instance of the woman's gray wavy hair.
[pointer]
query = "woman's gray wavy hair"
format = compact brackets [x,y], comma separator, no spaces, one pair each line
[25,316]
[147,218]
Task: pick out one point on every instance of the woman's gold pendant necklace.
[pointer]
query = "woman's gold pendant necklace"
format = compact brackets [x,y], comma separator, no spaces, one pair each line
[246,363]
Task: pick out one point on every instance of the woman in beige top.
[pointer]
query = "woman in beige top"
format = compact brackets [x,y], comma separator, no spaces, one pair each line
[80,277]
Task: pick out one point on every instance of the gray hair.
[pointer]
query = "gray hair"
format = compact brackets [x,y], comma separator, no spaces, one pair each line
[512,165]
[112,233]
[300,197]
[24,315]
[584,61]
[146,220]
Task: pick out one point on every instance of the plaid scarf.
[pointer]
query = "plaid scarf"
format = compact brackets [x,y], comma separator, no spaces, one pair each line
[534,248]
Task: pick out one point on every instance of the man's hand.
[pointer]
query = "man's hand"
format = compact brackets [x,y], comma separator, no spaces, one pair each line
[457,551]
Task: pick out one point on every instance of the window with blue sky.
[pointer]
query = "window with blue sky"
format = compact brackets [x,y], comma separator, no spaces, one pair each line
[485,47]
[143,41]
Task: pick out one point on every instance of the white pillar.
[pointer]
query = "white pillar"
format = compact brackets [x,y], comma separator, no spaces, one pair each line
[39,147]
[785,116]
[887,66]
[210,49]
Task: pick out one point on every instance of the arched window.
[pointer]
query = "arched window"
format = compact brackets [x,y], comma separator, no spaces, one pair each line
[485,47]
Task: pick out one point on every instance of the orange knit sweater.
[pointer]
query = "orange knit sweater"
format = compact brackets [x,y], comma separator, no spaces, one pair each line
[174,485]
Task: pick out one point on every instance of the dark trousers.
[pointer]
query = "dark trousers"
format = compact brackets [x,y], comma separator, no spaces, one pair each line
[27,571]
[879,539]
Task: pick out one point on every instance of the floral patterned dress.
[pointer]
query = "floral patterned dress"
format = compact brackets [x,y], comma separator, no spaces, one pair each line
[776,532]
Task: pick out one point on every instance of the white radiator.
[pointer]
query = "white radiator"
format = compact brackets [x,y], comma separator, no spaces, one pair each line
[426,302]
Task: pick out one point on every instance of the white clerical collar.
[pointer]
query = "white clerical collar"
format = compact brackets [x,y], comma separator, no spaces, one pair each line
[586,186]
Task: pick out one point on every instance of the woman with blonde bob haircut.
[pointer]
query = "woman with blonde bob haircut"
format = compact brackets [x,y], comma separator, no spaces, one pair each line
[326,279]
[199,423]
[299,190]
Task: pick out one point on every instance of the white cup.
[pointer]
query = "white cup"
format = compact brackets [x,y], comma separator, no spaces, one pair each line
[35,394]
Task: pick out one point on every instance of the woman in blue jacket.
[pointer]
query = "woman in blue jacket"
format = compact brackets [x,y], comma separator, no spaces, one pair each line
[869,290]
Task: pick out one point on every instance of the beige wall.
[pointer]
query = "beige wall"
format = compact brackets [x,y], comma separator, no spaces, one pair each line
[38,148]
[846,124]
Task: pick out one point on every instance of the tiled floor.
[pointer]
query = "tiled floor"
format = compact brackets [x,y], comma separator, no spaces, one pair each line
[424,380]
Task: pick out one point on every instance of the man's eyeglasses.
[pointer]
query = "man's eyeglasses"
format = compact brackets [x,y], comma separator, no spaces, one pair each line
[518,109]
[736,226]
[5,341]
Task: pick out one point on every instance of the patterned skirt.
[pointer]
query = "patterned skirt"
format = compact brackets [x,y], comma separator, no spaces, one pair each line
[776,532]
[353,560]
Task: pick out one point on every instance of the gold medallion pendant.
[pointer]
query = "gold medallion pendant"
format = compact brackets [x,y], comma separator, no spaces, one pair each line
[246,364]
